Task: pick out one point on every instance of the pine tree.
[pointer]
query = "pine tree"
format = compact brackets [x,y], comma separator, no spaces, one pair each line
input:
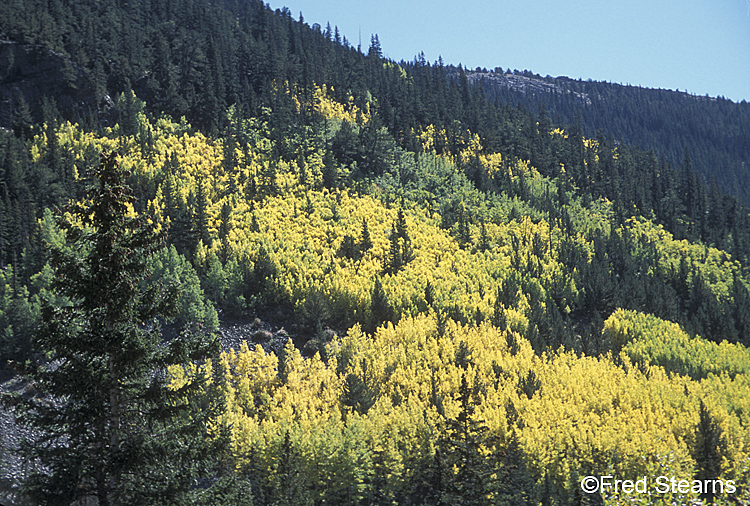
[22,121]
[360,390]
[463,355]
[471,475]
[348,249]
[429,294]
[106,418]
[516,484]
[394,261]
[484,240]
[365,242]
[709,450]
[261,280]
[200,225]
[400,225]
[380,309]
[400,251]
[290,489]
[464,235]
[375,49]
[407,252]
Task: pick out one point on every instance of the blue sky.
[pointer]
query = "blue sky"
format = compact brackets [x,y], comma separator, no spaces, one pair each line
[702,47]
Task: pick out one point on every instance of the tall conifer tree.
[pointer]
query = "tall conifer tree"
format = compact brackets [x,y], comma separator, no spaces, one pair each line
[105,417]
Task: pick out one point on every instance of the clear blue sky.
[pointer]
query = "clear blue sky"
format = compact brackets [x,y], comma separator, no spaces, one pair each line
[699,46]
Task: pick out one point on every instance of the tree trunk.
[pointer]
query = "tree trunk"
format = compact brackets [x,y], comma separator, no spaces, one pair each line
[114,426]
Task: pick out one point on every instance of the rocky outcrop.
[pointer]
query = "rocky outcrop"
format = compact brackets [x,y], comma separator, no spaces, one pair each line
[233,335]
[524,84]
[34,72]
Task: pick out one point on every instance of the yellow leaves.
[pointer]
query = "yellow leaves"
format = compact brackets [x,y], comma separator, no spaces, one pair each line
[433,140]
[256,369]
[130,212]
[599,408]
[397,67]
[326,106]
[569,410]
[560,132]
[177,377]
[470,151]
[493,164]
[591,144]
[716,267]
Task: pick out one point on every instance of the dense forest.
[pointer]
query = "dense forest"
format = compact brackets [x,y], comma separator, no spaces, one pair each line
[474,303]
[713,130]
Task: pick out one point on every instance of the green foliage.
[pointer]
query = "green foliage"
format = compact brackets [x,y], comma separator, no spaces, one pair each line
[363,194]
[709,450]
[19,317]
[359,390]
[648,340]
[168,267]
[316,310]
[463,355]
[396,415]
[468,470]
[101,367]
[381,310]
[215,284]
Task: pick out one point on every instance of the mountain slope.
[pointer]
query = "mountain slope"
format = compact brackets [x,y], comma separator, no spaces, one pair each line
[478,306]
[713,131]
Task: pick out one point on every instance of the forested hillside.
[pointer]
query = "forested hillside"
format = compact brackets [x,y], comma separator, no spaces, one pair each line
[712,130]
[479,305]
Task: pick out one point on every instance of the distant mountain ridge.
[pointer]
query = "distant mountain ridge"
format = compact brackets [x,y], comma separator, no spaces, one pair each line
[714,131]
[524,83]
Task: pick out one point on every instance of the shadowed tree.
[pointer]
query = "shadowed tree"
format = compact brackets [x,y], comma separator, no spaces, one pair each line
[709,450]
[109,429]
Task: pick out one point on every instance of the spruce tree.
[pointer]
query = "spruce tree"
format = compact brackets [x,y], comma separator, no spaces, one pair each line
[464,235]
[484,240]
[400,251]
[200,225]
[360,391]
[709,450]
[472,473]
[394,260]
[381,310]
[365,242]
[105,419]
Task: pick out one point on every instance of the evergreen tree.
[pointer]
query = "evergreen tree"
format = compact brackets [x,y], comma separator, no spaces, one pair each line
[200,226]
[463,355]
[709,450]
[516,484]
[429,295]
[365,242]
[400,251]
[22,121]
[484,240]
[471,473]
[380,309]
[394,261]
[291,476]
[360,390]
[261,285]
[463,232]
[375,49]
[348,249]
[106,419]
